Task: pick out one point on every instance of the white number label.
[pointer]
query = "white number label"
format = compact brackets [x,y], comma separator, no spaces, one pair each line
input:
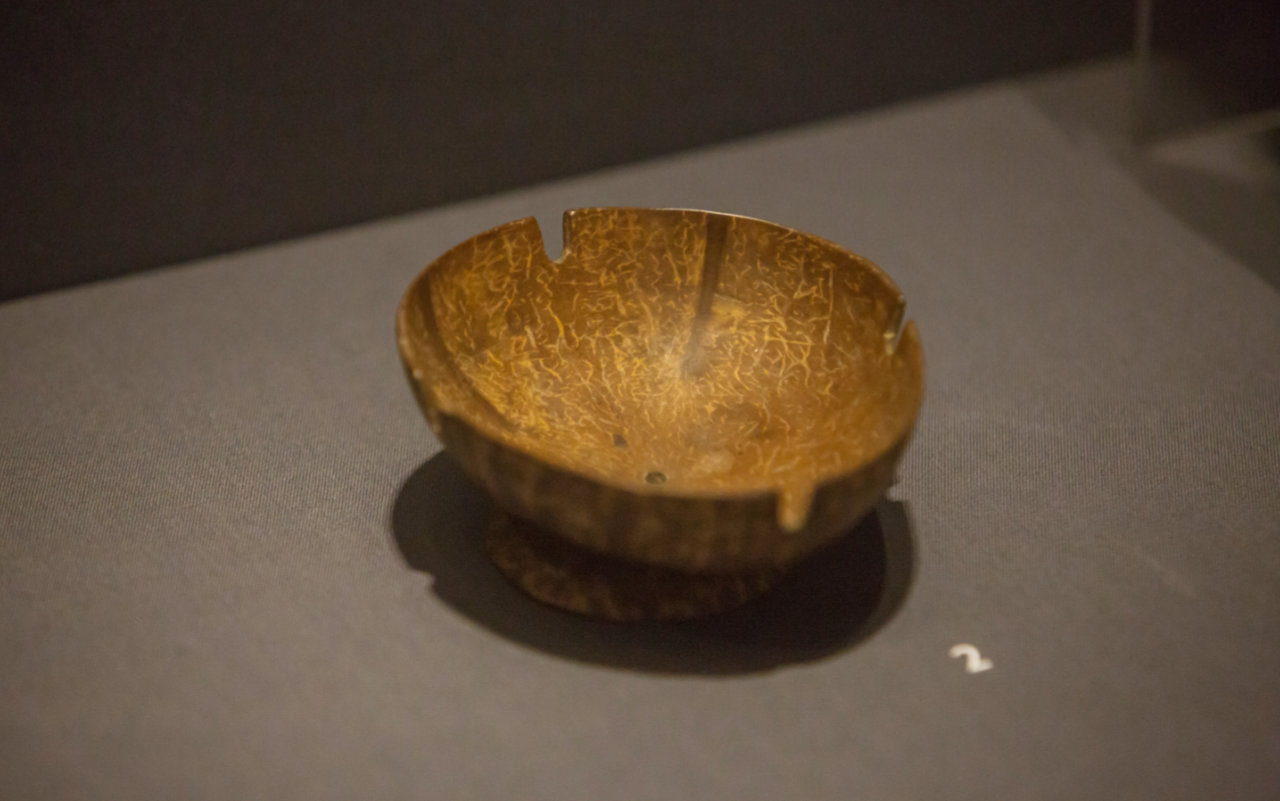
[973,661]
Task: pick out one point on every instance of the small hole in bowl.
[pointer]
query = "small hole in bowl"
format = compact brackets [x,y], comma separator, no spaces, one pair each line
[619,441]
[655,477]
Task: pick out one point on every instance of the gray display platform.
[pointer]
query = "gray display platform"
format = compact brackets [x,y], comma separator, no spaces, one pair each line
[233,563]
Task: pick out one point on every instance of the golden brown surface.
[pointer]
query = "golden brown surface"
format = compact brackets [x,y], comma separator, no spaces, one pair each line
[667,355]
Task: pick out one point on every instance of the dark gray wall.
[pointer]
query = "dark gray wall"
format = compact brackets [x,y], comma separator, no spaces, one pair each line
[139,134]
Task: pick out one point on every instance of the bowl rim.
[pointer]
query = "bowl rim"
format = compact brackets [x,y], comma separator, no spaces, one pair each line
[492,430]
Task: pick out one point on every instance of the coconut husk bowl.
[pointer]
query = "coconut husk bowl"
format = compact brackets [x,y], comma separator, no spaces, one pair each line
[670,414]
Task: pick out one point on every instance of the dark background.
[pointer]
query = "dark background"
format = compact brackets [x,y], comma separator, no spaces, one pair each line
[140,134]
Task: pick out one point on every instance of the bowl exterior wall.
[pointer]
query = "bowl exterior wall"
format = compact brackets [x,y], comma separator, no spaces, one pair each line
[723,534]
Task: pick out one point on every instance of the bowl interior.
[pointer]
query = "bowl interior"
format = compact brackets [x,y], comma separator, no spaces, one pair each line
[667,350]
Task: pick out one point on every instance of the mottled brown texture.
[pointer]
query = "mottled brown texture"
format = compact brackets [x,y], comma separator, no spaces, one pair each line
[700,391]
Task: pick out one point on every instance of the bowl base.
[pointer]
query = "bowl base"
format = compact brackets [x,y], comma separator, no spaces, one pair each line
[568,577]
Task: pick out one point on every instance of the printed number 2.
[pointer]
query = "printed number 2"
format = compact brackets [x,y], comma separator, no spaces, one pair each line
[973,661]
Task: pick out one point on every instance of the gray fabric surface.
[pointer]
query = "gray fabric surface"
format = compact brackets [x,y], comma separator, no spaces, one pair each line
[232,566]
